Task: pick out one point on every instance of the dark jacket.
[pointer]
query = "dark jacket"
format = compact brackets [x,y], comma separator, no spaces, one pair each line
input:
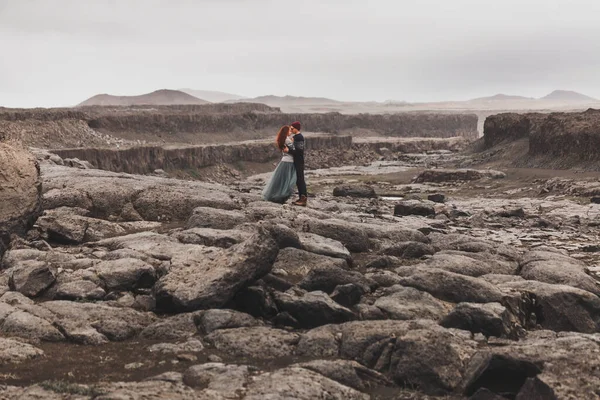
[298,149]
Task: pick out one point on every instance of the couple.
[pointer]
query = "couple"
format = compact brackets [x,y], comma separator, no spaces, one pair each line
[290,171]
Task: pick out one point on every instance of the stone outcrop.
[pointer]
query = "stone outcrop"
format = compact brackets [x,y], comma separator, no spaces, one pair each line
[555,140]
[20,192]
[509,127]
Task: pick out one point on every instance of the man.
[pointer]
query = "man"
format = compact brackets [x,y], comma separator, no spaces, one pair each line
[298,153]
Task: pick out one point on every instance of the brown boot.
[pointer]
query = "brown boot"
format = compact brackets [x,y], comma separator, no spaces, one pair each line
[301,202]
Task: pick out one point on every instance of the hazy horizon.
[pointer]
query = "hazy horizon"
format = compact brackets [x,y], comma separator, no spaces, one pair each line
[62,52]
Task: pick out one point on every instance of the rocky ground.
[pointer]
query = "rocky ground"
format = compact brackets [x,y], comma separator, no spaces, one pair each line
[398,281]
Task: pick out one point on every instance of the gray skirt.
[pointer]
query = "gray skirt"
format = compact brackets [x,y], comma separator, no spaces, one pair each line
[281,185]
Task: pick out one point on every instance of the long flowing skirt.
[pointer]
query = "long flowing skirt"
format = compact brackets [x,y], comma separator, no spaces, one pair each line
[281,185]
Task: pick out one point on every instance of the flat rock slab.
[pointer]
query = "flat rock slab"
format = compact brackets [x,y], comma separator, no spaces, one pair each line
[361,191]
[91,323]
[348,373]
[324,246]
[211,320]
[13,351]
[226,380]
[298,383]
[414,207]
[109,193]
[403,303]
[255,342]
[207,217]
[459,242]
[211,237]
[471,264]
[451,175]
[453,287]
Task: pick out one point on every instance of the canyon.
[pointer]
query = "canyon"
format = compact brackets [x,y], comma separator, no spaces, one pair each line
[140,261]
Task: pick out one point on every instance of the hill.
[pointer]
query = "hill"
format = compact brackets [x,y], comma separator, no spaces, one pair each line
[568,96]
[286,101]
[500,97]
[158,97]
[213,96]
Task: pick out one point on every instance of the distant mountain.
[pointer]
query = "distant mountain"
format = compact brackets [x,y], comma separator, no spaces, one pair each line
[213,96]
[500,97]
[159,97]
[568,96]
[287,101]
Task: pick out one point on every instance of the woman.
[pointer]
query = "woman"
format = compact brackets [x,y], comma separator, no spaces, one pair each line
[281,185]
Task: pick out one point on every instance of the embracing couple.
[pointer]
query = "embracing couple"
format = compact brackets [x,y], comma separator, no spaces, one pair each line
[290,170]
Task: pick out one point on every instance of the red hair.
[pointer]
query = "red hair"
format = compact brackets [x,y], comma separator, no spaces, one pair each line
[281,136]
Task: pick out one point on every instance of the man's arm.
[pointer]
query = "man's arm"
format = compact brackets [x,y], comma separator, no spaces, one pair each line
[297,148]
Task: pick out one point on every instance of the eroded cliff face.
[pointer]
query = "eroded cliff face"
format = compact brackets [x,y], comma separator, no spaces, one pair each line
[20,191]
[215,123]
[401,125]
[568,135]
[510,126]
[146,159]
[321,151]
[556,140]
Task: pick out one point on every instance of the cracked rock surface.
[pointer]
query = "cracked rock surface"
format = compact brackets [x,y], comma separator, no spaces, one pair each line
[132,286]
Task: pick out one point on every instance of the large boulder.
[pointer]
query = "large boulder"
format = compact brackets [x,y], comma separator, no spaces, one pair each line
[557,307]
[324,246]
[418,353]
[491,319]
[453,287]
[550,267]
[31,278]
[205,278]
[544,365]
[328,278]
[353,237]
[363,191]
[409,303]
[20,192]
[294,264]
[69,228]
[125,274]
[211,320]
[313,309]
[414,207]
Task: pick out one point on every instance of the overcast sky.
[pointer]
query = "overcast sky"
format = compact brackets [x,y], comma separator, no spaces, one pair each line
[60,52]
